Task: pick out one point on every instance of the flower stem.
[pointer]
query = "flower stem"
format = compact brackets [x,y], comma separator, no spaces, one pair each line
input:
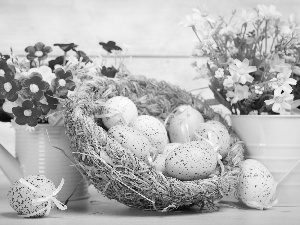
[194,29]
[65,57]
[266,37]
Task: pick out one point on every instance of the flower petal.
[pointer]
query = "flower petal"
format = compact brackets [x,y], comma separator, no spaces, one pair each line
[32,121]
[59,72]
[12,96]
[21,120]
[30,50]
[269,102]
[31,56]
[47,49]
[276,107]
[27,104]
[18,111]
[39,46]
[70,85]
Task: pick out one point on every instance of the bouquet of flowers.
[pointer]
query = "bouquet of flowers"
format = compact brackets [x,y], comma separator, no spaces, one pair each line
[32,90]
[254,59]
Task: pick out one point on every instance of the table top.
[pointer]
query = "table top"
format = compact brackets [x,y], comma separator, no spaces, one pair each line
[98,209]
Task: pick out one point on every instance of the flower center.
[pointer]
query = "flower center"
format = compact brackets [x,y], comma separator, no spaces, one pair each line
[27,112]
[242,71]
[62,82]
[38,53]
[7,86]
[34,88]
[278,99]
[2,73]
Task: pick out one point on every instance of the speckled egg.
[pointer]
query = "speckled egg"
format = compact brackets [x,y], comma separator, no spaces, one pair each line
[184,123]
[131,139]
[153,129]
[20,196]
[191,161]
[116,108]
[257,187]
[219,135]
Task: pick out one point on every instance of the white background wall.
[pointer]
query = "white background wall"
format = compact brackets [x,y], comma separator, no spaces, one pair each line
[150,27]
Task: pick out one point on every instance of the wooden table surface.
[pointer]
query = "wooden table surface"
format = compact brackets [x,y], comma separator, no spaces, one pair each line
[100,210]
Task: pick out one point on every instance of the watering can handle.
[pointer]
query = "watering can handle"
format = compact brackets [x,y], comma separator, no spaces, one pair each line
[10,165]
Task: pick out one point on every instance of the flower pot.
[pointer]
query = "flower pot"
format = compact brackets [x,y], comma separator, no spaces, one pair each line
[37,155]
[274,140]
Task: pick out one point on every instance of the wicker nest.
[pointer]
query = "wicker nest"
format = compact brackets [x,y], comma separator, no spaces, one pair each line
[126,178]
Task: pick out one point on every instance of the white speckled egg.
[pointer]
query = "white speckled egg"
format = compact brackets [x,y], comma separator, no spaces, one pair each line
[20,196]
[191,161]
[184,123]
[131,139]
[257,187]
[153,129]
[119,106]
[219,135]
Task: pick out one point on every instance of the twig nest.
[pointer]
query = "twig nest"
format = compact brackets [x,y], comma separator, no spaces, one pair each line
[118,110]
[184,123]
[153,129]
[191,161]
[256,187]
[33,196]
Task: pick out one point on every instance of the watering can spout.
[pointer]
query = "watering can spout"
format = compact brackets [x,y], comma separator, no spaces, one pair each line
[10,165]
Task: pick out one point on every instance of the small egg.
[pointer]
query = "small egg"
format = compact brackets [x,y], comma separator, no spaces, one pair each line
[215,132]
[191,161]
[256,187]
[131,139]
[20,196]
[120,110]
[184,123]
[153,129]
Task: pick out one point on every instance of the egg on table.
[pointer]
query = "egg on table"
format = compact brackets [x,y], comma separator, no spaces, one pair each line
[20,196]
[256,187]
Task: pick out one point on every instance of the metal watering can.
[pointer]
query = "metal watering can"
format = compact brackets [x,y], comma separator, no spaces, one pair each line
[44,151]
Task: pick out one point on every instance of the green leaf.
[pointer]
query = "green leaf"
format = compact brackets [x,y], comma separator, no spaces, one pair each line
[220,98]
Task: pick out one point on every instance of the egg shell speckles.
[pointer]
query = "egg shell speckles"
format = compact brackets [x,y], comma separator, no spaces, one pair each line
[20,196]
[219,135]
[131,139]
[191,161]
[184,123]
[124,105]
[256,184]
[153,129]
